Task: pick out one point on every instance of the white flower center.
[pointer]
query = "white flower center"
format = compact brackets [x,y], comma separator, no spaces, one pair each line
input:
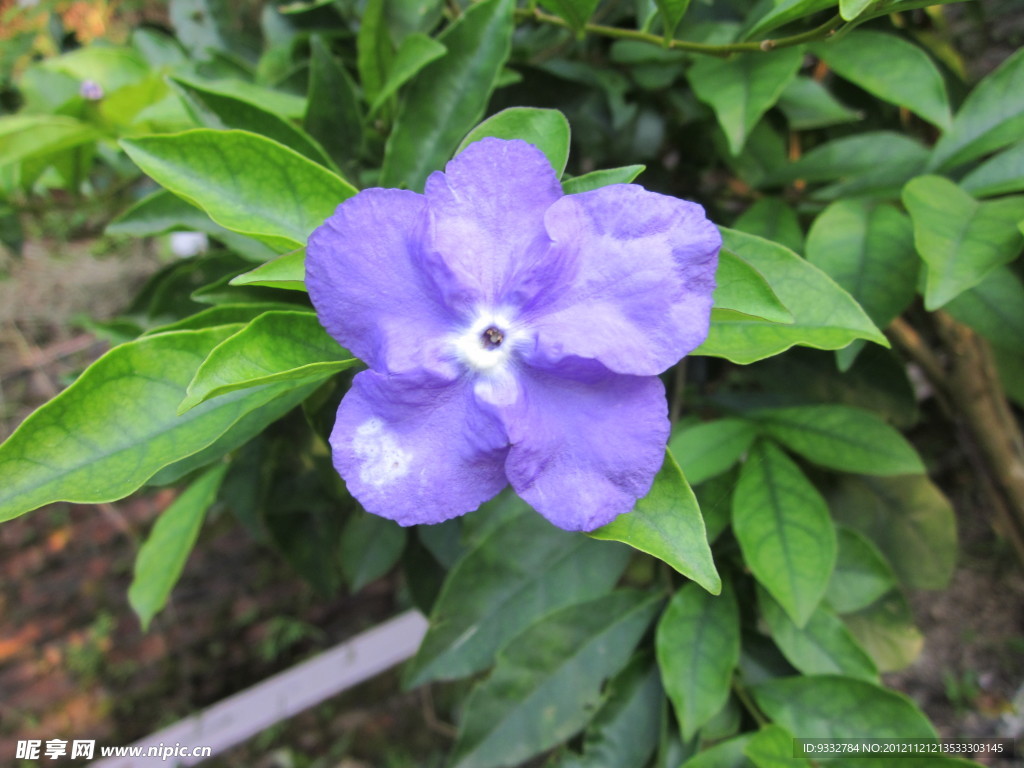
[488,342]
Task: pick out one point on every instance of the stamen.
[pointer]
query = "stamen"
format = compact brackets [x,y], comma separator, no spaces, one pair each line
[492,337]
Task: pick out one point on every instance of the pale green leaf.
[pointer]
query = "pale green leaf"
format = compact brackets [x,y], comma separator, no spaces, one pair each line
[415,52]
[708,449]
[861,575]
[783,12]
[602,178]
[287,271]
[999,175]
[28,136]
[772,747]
[741,288]
[851,9]
[995,309]
[546,129]
[885,629]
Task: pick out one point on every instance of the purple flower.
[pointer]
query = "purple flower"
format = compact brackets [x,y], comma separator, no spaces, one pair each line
[513,335]
[90,90]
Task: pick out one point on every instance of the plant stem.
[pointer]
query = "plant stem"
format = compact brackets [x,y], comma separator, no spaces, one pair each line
[748,703]
[756,46]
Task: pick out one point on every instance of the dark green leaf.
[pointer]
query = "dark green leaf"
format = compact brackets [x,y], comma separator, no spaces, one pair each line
[728,754]
[576,12]
[245,182]
[547,682]
[892,69]
[783,528]
[521,570]
[807,104]
[672,12]
[861,575]
[374,49]
[995,309]
[960,239]
[999,175]
[741,89]
[772,219]
[415,52]
[784,12]
[449,95]
[333,114]
[698,646]
[162,557]
[741,288]
[546,129]
[370,547]
[602,178]
[667,523]
[708,449]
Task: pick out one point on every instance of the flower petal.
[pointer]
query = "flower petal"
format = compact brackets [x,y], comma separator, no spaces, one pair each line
[488,216]
[366,277]
[585,448]
[417,449]
[639,297]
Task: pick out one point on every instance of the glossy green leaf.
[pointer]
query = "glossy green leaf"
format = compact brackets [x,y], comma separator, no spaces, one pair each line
[990,118]
[448,96]
[894,70]
[698,647]
[861,575]
[27,136]
[999,175]
[220,111]
[909,519]
[117,424]
[851,9]
[741,288]
[840,437]
[773,219]
[784,530]
[370,547]
[286,105]
[672,12]
[374,49]
[885,629]
[519,571]
[824,315]
[824,646]
[728,754]
[546,129]
[333,112]
[602,178]
[830,706]
[576,12]
[772,747]
[784,12]
[415,52]
[287,271]
[741,89]
[624,732]
[247,183]
[960,239]
[869,250]
[995,309]
[667,523]
[275,347]
[708,449]
[807,104]
[162,557]
[547,681]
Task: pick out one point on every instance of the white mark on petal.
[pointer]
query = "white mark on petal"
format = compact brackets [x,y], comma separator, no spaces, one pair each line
[382,460]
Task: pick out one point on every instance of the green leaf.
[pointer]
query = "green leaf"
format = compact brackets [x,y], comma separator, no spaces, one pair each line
[221,314]
[784,530]
[772,219]
[27,136]
[162,557]
[520,570]
[840,437]
[672,12]
[807,104]
[117,424]
[576,12]
[220,111]
[861,575]
[990,118]
[830,706]
[286,105]
[728,754]
[547,681]
[275,347]
[449,95]
[333,113]
[624,732]
[741,89]
[741,288]
[245,182]
[287,271]
[415,52]
[824,315]
[908,518]
[886,631]
[874,163]
[602,178]
[894,70]
[851,9]
[960,239]
[546,129]
[995,309]
[374,49]
[784,12]
[698,647]
[667,523]
[370,547]
[708,449]
[772,747]
[823,647]
[999,175]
